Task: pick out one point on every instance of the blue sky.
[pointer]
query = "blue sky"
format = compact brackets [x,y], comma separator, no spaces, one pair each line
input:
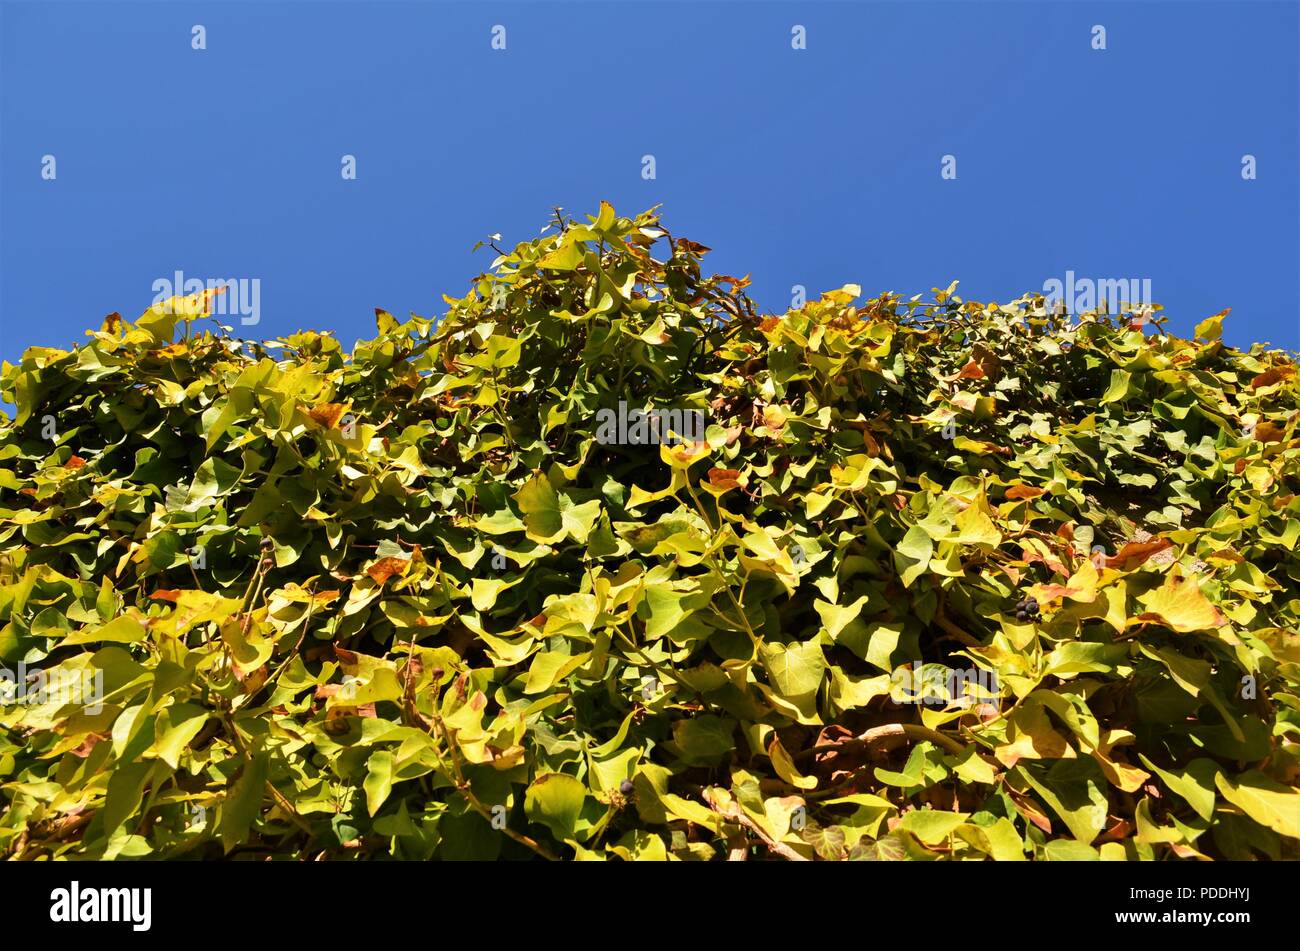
[816,167]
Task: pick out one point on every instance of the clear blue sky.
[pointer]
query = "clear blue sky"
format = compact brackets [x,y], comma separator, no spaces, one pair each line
[817,167]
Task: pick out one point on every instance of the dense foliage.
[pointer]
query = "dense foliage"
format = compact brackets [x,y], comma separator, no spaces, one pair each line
[404,602]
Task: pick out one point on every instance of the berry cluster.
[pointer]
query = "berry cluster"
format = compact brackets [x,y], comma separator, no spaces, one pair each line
[1026,610]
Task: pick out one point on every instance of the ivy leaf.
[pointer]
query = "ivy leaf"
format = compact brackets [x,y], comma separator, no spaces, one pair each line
[379,780]
[555,800]
[1265,800]
[243,801]
[932,826]
[912,557]
[550,517]
[1075,789]
[1178,604]
[1195,784]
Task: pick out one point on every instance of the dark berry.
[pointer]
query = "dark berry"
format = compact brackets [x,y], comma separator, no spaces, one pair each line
[1022,617]
[626,787]
[267,544]
[1032,607]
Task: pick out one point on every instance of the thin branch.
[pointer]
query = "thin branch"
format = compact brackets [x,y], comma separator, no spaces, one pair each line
[957,633]
[887,731]
[736,814]
[463,786]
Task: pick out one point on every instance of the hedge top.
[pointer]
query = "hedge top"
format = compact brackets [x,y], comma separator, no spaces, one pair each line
[408,600]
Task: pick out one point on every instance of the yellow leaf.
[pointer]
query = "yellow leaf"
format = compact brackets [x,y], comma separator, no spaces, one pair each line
[785,767]
[974,527]
[125,629]
[684,455]
[1179,605]
[1030,736]
[843,295]
[605,220]
[1265,800]
[1211,328]
[564,258]
[1081,587]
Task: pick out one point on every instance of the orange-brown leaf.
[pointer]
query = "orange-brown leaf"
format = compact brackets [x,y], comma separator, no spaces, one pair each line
[1269,377]
[1269,432]
[385,568]
[1023,492]
[327,414]
[724,478]
[1136,553]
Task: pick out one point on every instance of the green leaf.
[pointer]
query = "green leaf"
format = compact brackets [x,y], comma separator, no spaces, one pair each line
[932,826]
[836,617]
[1195,783]
[1075,789]
[162,549]
[1070,850]
[795,672]
[550,517]
[912,556]
[123,630]
[177,726]
[1120,387]
[243,801]
[379,780]
[998,839]
[125,790]
[549,668]
[1265,800]
[703,740]
[555,800]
